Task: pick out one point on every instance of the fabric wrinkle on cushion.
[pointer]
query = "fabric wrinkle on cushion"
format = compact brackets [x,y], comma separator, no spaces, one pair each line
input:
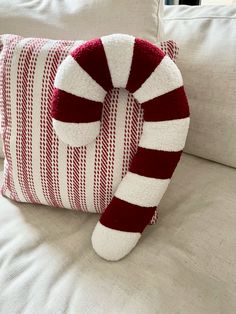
[102,164]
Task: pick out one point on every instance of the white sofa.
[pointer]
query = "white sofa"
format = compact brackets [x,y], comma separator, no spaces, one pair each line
[184,264]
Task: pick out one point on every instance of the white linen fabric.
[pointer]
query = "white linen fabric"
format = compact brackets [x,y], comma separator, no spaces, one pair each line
[185,264]
[207,39]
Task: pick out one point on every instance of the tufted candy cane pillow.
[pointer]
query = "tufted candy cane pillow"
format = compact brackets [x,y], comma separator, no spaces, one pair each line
[81,84]
[40,167]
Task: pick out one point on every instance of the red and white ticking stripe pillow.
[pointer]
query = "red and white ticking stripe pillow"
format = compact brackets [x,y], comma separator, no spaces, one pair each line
[39,168]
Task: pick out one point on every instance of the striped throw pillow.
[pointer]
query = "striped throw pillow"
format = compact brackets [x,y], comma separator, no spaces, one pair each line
[38,167]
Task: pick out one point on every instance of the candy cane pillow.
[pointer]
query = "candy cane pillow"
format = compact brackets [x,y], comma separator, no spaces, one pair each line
[82,82]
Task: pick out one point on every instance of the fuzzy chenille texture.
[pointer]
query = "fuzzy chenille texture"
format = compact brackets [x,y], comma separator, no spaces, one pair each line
[88,73]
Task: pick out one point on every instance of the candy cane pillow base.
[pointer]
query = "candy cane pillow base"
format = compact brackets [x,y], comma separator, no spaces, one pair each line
[81,83]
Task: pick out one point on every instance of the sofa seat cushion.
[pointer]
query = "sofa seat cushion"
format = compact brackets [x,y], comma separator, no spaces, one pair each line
[184,264]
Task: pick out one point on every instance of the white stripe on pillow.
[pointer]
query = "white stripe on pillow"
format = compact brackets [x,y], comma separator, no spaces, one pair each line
[168,76]
[115,52]
[78,87]
[76,134]
[150,190]
[165,135]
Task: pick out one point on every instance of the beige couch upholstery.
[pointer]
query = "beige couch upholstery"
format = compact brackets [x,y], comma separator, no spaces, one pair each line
[207,38]
[185,264]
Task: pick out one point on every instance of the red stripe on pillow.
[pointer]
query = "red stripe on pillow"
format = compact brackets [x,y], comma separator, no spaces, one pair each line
[170,106]
[70,108]
[155,163]
[92,58]
[119,215]
[143,64]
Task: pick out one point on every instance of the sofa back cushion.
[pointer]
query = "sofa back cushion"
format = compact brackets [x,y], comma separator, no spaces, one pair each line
[82,19]
[207,39]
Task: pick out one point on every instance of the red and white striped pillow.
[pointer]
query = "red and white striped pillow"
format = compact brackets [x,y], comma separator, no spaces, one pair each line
[38,167]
